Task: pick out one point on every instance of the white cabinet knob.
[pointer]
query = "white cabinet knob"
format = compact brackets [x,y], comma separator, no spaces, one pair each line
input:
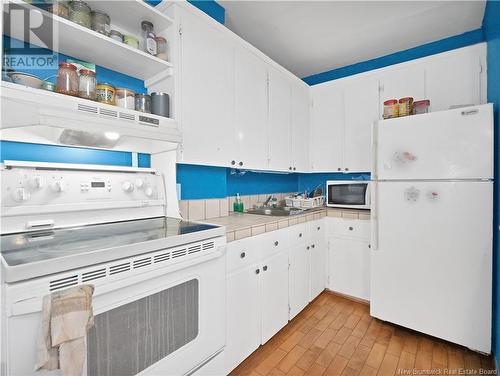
[127,186]
[21,194]
[59,186]
[139,183]
[38,182]
[148,191]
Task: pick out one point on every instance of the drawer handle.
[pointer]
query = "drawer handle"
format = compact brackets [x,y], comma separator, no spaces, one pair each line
[312,246]
[300,235]
[264,268]
[308,248]
[319,228]
[243,254]
[276,243]
[257,271]
[369,245]
[351,228]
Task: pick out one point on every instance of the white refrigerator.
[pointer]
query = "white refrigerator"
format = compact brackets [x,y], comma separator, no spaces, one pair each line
[432,224]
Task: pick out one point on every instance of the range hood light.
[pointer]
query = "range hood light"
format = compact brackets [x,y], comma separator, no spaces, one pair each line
[113,136]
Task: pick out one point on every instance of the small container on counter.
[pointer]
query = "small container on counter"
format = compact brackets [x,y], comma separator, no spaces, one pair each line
[105,93]
[143,103]
[161,48]
[405,106]
[67,79]
[116,35]
[160,104]
[149,37]
[131,41]
[59,8]
[391,109]
[125,98]
[86,86]
[101,23]
[79,12]
[421,107]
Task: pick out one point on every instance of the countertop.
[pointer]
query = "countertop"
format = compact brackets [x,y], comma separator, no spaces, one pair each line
[244,225]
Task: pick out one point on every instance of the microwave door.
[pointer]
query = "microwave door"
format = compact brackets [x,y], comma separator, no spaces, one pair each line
[348,196]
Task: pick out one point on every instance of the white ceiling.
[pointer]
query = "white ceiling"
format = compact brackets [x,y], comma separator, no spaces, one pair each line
[309,37]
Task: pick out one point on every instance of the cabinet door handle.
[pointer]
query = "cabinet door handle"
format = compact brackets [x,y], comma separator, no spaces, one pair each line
[290,168]
[276,243]
[312,246]
[369,245]
[308,248]
[294,168]
[346,169]
[233,162]
[265,268]
[241,163]
[257,271]
[351,228]
[319,228]
[339,169]
[243,254]
[300,235]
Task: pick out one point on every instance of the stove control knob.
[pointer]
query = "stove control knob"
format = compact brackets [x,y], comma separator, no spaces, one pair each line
[59,186]
[127,186]
[148,191]
[38,182]
[139,183]
[21,194]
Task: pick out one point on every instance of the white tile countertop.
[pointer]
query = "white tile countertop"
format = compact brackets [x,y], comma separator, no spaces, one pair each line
[243,225]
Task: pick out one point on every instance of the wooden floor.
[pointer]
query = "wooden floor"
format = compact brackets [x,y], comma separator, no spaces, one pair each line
[337,336]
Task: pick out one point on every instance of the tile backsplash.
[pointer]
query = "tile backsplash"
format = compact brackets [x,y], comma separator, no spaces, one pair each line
[196,210]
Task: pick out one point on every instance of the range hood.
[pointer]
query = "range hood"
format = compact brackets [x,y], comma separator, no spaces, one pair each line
[39,116]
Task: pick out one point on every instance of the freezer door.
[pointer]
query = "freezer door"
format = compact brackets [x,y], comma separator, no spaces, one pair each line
[453,144]
[432,259]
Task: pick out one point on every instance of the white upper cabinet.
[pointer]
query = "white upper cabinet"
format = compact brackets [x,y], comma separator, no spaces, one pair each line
[207,63]
[300,127]
[327,120]
[361,104]
[279,125]
[251,109]
[396,83]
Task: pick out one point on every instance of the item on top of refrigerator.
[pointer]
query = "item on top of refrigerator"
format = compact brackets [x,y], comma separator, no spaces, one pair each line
[143,103]
[48,85]
[87,83]
[160,104]
[149,38]
[59,8]
[161,45]
[391,108]
[79,13]
[25,79]
[131,41]
[116,35]
[125,98]
[238,204]
[405,106]
[421,107]
[101,22]
[105,93]
[67,79]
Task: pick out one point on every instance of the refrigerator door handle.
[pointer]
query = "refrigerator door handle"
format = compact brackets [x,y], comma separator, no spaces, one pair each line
[374,150]
[374,216]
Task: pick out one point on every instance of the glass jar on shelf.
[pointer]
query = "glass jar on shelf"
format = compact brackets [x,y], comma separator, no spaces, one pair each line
[116,35]
[125,98]
[161,47]
[67,79]
[101,23]
[149,38]
[143,103]
[59,8]
[79,13]
[86,86]
[105,93]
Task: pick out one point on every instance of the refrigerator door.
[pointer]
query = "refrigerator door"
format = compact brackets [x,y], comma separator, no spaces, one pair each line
[432,258]
[453,144]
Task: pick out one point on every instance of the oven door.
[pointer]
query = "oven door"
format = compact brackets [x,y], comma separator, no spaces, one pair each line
[167,321]
[348,194]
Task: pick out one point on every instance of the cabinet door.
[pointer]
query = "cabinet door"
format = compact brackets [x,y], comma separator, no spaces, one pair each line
[300,128]
[318,258]
[453,80]
[206,93]
[327,129]
[243,315]
[361,111]
[279,121]
[402,82]
[299,278]
[350,267]
[274,293]
[250,110]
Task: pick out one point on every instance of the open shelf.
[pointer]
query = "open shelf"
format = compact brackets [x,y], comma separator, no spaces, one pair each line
[85,44]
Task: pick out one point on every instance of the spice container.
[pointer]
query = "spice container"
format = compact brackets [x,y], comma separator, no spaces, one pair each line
[105,93]
[116,35]
[59,8]
[86,86]
[421,107]
[67,79]
[405,106]
[125,98]
[131,41]
[161,48]
[143,103]
[149,38]
[79,12]
[160,104]
[101,23]
[391,108]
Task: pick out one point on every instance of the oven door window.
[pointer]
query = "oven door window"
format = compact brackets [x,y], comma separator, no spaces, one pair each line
[347,194]
[130,338]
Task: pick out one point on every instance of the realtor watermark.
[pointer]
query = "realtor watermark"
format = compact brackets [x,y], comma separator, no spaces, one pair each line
[33,38]
[446,371]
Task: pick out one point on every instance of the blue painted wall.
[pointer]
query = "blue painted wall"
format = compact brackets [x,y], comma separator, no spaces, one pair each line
[200,182]
[491,27]
[252,183]
[210,7]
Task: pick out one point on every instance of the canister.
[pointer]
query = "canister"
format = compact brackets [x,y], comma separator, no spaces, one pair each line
[125,98]
[405,106]
[391,108]
[105,93]
[131,41]
[143,103]
[160,104]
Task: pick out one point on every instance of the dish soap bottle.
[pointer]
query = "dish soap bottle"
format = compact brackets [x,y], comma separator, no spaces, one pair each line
[238,204]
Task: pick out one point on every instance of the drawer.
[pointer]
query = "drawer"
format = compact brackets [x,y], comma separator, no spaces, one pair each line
[317,229]
[273,241]
[354,228]
[298,233]
[241,253]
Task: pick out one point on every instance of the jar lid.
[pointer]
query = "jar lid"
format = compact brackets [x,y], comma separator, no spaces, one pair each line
[159,93]
[130,37]
[390,102]
[124,91]
[105,84]
[142,95]
[67,65]
[145,24]
[422,102]
[161,39]
[406,99]
[87,72]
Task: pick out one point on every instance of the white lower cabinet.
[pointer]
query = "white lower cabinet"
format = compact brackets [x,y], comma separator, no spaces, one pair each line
[299,277]
[318,258]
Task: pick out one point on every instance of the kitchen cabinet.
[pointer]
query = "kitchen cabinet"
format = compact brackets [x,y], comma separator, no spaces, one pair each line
[406,81]
[299,277]
[206,84]
[318,253]
[300,127]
